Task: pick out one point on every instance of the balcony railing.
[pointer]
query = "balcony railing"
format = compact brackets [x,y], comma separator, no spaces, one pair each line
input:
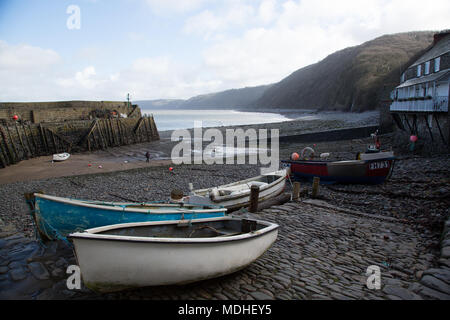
[437,104]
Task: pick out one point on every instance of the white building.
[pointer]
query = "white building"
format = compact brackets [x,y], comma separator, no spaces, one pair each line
[423,93]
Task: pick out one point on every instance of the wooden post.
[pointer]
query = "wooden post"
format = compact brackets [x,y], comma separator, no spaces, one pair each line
[94,139]
[254,197]
[28,141]
[315,187]
[119,132]
[13,144]
[55,146]
[296,191]
[2,160]
[35,146]
[8,152]
[124,133]
[44,138]
[108,132]
[112,134]
[102,136]
[25,151]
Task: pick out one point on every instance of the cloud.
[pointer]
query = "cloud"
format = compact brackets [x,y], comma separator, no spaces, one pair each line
[23,70]
[230,44]
[281,37]
[26,57]
[30,73]
[171,6]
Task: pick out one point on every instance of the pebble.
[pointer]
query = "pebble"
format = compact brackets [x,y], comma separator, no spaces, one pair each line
[39,271]
[435,284]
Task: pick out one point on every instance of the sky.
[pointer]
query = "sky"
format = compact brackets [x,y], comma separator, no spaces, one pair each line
[53,50]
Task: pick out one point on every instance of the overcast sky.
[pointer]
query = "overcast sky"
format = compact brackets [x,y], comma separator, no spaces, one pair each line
[156,49]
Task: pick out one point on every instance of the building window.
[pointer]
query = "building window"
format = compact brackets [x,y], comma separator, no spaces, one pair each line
[427,67]
[437,64]
[419,70]
[402,79]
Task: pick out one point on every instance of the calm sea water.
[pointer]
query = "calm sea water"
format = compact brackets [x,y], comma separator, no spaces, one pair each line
[184,118]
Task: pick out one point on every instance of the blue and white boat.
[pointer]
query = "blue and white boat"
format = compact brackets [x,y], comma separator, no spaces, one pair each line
[56,217]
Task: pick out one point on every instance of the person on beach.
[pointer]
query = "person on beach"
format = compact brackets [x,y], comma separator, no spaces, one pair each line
[147,155]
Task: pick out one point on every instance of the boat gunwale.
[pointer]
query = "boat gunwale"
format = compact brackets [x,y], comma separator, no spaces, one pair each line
[92,234]
[80,203]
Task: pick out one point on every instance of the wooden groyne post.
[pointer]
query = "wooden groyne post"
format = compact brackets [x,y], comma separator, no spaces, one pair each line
[315,187]
[296,191]
[254,197]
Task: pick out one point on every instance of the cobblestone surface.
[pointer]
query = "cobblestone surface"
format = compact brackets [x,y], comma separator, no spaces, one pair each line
[319,254]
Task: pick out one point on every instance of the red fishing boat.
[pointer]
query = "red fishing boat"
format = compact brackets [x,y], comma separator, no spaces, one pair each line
[372,167]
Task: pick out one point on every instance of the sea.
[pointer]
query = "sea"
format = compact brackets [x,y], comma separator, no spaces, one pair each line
[185,118]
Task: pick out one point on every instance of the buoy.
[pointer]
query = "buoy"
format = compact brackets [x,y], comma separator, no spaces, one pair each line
[295,156]
[15,117]
[89,165]
[413,138]
[100,166]
[171,169]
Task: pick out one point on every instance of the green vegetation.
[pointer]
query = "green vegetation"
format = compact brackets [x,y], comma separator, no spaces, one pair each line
[353,79]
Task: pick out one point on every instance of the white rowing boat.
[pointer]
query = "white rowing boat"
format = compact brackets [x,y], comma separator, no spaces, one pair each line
[61,156]
[122,256]
[235,195]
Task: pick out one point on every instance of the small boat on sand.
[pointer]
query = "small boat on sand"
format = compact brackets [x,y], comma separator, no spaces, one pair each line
[123,256]
[61,156]
[236,195]
[373,170]
[371,167]
[56,217]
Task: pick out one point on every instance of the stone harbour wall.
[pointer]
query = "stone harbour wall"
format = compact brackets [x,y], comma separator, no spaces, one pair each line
[37,112]
[20,141]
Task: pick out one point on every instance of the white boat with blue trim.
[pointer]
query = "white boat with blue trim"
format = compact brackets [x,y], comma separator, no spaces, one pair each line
[123,256]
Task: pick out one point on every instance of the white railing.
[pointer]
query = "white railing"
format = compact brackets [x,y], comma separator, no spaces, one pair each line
[438,104]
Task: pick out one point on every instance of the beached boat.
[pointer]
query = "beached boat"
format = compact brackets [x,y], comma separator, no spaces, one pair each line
[235,195]
[156,253]
[56,217]
[374,171]
[61,156]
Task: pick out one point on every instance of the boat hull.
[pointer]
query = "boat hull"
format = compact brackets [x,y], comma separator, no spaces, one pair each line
[234,202]
[56,217]
[347,172]
[61,157]
[125,262]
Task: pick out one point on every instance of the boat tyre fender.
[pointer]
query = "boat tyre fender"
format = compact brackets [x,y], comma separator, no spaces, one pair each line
[307,153]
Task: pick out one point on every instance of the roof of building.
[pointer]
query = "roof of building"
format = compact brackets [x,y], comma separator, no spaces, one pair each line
[441,75]
[441,47]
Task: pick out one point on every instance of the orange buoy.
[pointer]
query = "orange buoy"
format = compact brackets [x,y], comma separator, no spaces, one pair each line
[295,156]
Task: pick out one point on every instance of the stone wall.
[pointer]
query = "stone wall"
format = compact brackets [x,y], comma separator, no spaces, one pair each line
[37,112]
[19,141]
